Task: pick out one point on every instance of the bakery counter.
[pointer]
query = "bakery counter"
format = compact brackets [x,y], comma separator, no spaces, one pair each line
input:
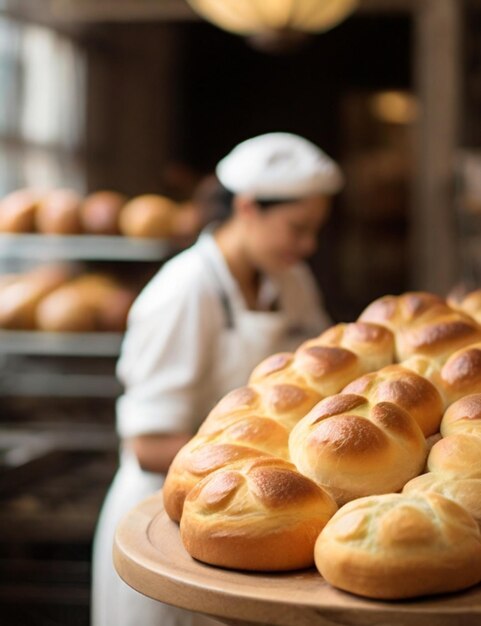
[149,556]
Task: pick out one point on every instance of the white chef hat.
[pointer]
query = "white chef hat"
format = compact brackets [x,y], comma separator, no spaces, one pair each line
[279,166]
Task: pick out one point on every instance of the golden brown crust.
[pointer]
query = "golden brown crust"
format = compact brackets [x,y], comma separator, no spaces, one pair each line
[264,516]
[400,546]
[412,392]
[464,416]
[456,456]
[100,211]
[149,216]
[361,450]
[395,312]
[17,211]
[58,213]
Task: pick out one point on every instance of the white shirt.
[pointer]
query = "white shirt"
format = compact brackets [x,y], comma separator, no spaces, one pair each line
[183,348]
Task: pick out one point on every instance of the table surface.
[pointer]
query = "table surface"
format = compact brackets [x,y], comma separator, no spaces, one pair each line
[150,557]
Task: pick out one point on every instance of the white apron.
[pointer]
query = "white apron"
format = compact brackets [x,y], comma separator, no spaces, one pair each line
[248,338]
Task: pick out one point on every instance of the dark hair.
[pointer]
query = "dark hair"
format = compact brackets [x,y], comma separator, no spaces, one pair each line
[215,201]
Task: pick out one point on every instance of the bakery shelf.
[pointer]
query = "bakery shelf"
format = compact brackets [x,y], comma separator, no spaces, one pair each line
[59,385]
[98,344]
[83,247]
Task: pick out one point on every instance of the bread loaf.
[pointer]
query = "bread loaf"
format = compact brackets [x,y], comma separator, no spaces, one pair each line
[100,212]
[353,449]
[17,211]
[400,546]
[89,303]
[262,516]
[19,299]
[148,216]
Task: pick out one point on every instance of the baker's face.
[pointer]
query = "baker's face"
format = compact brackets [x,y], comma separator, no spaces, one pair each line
[281,235]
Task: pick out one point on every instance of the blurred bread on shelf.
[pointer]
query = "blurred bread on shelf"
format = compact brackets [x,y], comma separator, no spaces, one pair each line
[148,216]
[17,211]
[19,298]
[89,303]
[100,212]
[58,213]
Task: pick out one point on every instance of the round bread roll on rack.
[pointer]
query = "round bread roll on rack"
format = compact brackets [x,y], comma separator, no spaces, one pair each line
[65,310]
[464,416]
[263,516]
[17,211]
[148,216]
[19,299]
[58,213]
[353,449]
[464,491]
[411,392]
[399,546]
[100,212]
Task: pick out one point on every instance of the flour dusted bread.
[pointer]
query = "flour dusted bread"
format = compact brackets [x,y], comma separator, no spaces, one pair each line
[354,449]
[464,491]
[263,516]
[400,546]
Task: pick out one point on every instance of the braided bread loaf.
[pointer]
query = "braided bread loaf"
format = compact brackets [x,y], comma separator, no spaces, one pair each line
[353,424]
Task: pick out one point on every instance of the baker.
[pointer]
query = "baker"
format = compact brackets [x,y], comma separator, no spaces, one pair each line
[211,314]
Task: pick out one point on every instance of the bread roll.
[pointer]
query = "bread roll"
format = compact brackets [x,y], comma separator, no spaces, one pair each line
[100,212]
[17,211]
[148,216]
[456,456]
[196,460]
[354,449]
[464,491]
[263,516]
[470,304]
[19,300]
[327,364]
[464,416]
[400,546]
[89,303]
[396,312]
[459,376]
[58,213]
[437,334]
[411,392]
[65,310]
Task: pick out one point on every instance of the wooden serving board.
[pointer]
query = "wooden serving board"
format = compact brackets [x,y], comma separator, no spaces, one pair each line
[149,556]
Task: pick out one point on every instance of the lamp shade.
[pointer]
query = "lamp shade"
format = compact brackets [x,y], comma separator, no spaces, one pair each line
[250,17]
